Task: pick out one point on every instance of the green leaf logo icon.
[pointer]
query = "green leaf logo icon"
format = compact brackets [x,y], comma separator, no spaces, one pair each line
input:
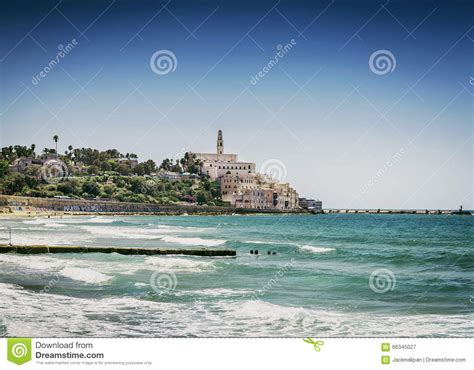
[19,350]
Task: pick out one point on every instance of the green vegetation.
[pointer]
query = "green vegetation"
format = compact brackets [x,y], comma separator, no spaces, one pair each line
[87,173]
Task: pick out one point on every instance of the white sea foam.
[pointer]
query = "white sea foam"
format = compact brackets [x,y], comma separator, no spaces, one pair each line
[183,229]
[76,270]
[51,238]
[175,264]
[313,249]
[159,232]
[55,315]
[258,309]
[122,232]
[45,222]
[268,242]
[193,241]
[84,274]
[101,220]
[140,284]
[37,221]
[222,292]
[32,262]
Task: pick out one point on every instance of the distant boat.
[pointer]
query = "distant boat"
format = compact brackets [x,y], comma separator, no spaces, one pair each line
[460,212]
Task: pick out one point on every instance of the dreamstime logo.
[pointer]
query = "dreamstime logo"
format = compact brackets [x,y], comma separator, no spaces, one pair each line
[54,171]
[282,50]
[163,62]
[382,280]
[274,168]
[163,282]
[382,171]
[60,55]
[177,156]
[274,281]
[148,187]
[51,284]
[19,350]
[382,62]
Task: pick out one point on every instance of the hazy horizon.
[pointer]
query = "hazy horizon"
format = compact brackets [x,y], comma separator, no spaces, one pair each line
[343,133]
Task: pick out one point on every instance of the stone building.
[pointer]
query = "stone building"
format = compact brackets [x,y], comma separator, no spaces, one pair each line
[219,164]
[311,204]
[20,165]
[241,185]
[130,162]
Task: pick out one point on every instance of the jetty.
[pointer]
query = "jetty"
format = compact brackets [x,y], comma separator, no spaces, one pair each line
[38,249]
[390,211]
[461,212]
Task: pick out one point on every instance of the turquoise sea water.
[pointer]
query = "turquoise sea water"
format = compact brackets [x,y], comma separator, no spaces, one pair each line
[332,275]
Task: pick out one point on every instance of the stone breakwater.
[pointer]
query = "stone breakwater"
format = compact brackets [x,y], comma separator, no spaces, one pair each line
[38,249]
[392,211]
[74,206]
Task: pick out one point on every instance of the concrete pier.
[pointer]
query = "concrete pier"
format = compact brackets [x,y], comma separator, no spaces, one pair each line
[391,211]
[37,249]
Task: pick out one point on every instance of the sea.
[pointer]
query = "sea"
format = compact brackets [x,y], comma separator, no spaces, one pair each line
[333,275]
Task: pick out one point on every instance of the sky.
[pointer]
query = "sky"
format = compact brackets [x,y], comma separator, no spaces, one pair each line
[298,87]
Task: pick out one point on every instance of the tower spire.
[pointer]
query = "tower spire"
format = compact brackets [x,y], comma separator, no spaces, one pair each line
[220,143]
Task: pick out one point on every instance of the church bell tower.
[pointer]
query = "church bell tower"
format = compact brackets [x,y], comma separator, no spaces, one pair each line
[220,143]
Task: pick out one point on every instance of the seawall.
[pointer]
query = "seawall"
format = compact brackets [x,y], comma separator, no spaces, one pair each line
[38,249]
[74,206]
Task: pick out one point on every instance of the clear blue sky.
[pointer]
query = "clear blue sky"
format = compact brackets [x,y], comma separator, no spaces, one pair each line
[321,110]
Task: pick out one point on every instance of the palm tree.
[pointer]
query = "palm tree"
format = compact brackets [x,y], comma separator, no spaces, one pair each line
[56,138]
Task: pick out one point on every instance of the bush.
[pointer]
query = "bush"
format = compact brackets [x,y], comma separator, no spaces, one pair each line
[90,188]
[3,168]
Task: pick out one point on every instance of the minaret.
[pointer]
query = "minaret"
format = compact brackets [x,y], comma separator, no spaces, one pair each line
[220,143]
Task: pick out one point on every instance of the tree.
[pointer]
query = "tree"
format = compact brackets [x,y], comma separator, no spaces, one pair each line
[3,168]
[90,187]
[166,164]
[202,197]
[123,169]
[189,163]
[68,152]
[145,168]
[56,138]
[93,170]
[13,184]
[8,154]
[66,187]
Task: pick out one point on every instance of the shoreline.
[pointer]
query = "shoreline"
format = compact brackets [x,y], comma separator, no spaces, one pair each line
[29,206]
[25,207]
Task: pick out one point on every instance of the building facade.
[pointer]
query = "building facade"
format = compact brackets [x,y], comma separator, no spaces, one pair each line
[241,185]
[311,204]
